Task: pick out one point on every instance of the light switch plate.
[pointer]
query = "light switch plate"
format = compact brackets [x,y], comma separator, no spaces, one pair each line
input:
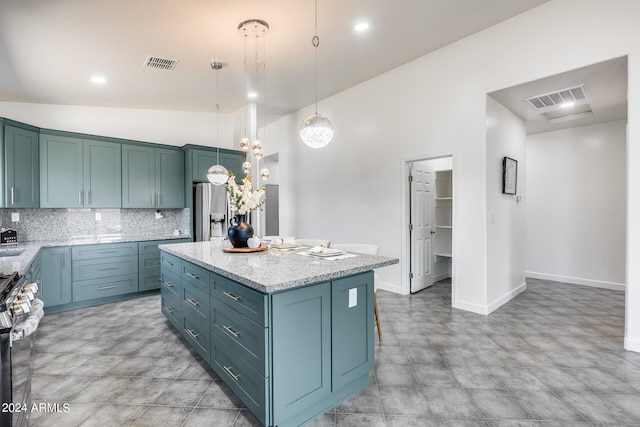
[98,216]
[15,216]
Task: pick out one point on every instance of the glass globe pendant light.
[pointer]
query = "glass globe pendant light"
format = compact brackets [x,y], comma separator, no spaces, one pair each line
[217,174]
[316,130]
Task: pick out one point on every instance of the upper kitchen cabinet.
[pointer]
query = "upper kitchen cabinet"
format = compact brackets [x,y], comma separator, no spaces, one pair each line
[20,180]
[199,160]
[78,172]
[152,177]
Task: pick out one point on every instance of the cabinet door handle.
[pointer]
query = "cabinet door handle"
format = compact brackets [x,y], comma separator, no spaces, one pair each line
[79,198]
[231,331]
[193,302]
[106,287]
[230,295]
[12,199]
[159,199]
[193,334]
[86,198]
[168,284]
[169,262]
[109,267]
[64,258]
[152,199]
[193,276]
[230,372]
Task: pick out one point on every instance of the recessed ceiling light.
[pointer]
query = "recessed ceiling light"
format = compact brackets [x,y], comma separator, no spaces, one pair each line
[98,80]
[252,95]
[361,26]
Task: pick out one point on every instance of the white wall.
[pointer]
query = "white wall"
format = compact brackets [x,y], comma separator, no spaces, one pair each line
[506,136]
[352,189]
[576,205]
[163,127]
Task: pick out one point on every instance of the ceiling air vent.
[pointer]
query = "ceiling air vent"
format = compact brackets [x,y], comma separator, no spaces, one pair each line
[558,98]
[160,63]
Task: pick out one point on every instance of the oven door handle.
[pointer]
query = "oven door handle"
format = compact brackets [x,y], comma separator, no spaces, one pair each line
[27,327]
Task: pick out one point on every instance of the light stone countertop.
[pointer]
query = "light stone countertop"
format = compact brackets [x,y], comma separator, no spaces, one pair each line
[272,270]
[22,262]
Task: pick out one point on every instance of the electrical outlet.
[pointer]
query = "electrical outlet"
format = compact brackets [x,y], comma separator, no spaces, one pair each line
[98,216]
[492,218]
[15,216]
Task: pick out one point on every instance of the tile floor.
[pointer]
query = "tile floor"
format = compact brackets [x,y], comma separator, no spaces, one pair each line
[551,357]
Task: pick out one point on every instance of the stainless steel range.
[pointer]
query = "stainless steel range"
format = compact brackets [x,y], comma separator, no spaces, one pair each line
[20,314]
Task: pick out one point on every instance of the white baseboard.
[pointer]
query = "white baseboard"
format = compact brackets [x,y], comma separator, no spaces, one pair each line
[576,281]
[389,287]
[631,344]
[441,276]
[507,297]
[468,306]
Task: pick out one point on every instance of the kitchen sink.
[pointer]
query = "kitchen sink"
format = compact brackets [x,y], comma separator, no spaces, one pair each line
[6,252]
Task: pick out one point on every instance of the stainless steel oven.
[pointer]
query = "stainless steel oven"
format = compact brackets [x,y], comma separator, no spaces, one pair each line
[20,314]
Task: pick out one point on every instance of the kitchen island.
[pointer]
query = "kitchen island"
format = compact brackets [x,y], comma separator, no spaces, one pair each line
[291,335]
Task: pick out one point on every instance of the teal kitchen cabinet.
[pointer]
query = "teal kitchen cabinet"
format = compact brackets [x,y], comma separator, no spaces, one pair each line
[20,179]
[56,276]
[201,160]
[287,355]
[78,172]
[149,263]
[152,177]
[104,270]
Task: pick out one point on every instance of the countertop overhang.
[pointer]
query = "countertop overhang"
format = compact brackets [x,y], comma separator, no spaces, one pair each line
[272,270]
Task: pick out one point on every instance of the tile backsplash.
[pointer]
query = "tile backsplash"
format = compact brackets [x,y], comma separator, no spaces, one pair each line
[64,224]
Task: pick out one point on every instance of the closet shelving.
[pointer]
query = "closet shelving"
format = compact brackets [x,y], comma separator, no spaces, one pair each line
[443,213]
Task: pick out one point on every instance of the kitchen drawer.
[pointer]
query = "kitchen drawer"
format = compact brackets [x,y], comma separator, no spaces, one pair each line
[151,246]
[197,333]
[105,267]
[170,307]
[244,300]
[99,288]
[245,337]
[148,281]
[103,251]
[171,282]
[245,382]
[149,271]
[171,262]
[196,275]
[196,301]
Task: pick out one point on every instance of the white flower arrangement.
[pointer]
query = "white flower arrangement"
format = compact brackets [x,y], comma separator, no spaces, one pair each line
[242,197]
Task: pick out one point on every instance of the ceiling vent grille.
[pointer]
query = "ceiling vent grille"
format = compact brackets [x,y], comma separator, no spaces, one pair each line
[559,97]
[160,63]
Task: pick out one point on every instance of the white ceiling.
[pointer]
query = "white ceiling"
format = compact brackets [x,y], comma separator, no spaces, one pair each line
[605,84]
[50,48]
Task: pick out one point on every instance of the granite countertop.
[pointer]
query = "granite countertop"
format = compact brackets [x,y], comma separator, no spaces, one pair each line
[21,263]
[272,270]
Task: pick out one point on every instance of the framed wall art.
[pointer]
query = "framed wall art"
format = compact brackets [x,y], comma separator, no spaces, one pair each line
[509,175]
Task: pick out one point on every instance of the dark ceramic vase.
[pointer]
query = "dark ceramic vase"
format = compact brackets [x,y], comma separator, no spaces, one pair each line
[239,231]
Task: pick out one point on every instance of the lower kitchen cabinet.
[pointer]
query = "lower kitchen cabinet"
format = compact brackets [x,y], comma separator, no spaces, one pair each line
[84,290]
[289,355]
[149,263]
[56,276]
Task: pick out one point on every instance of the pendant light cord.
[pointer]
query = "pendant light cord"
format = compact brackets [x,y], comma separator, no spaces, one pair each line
[315,41]
[217,118]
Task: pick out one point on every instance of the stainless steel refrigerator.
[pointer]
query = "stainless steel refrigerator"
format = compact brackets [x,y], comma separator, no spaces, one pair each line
[210,211]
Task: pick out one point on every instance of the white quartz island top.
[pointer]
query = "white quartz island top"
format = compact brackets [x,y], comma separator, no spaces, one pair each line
[272,270]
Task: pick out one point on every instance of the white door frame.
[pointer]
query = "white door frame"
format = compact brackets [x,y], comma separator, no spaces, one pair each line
[405,250]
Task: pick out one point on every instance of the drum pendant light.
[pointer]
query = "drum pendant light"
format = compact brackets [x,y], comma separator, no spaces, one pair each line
[217,174]
[316,130]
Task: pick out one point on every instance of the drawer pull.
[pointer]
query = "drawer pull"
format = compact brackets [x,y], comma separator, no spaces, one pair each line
[193,302]
[193,334]
[230,372]
[169,284]
[102,288]
[106,252]
[193,276]
[230,295]
[169,310]
[169,262]
[231,331]
[111,267]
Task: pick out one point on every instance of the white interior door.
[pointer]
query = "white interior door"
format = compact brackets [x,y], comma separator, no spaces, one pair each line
[421,227]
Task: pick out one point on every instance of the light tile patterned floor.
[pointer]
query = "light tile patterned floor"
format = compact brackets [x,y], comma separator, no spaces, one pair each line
[551,357]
